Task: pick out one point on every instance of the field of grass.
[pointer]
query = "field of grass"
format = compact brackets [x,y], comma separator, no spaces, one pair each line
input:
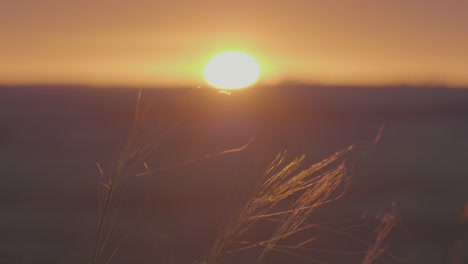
[284,175]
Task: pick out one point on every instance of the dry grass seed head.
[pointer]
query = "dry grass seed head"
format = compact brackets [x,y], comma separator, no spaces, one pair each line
[303,190]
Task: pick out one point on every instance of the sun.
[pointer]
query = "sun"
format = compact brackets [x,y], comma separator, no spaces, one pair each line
[231,70]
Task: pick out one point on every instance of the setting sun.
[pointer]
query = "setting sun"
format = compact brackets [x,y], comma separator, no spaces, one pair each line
[231,70]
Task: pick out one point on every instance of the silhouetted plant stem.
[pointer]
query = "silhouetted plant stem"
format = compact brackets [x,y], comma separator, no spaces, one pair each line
[102,222]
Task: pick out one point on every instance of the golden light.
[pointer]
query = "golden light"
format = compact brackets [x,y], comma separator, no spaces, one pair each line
[231,70]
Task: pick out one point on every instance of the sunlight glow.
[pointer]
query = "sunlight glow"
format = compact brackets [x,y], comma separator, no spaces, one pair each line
[231,70]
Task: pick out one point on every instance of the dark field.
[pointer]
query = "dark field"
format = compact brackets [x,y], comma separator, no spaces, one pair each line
[51,139]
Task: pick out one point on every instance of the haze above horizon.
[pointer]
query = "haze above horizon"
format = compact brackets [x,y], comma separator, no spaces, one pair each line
[145,42]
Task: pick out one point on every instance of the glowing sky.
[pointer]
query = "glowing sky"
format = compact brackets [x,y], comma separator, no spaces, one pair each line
[112,42]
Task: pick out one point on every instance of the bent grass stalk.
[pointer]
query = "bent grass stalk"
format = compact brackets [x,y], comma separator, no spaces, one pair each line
[151,123]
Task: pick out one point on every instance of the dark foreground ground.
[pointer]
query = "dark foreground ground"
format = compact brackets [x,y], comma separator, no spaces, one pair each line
[51,139]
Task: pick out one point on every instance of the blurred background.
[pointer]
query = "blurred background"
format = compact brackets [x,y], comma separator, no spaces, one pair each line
[52,137]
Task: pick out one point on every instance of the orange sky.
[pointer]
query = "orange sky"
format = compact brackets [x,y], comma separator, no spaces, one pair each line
[122,42]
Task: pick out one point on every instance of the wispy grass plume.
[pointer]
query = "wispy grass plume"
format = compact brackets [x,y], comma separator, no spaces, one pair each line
[157,113]
[387,222]
[287,195]
[287,191]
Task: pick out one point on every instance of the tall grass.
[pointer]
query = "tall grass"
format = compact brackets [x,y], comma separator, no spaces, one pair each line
[157,113]
[287,194]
